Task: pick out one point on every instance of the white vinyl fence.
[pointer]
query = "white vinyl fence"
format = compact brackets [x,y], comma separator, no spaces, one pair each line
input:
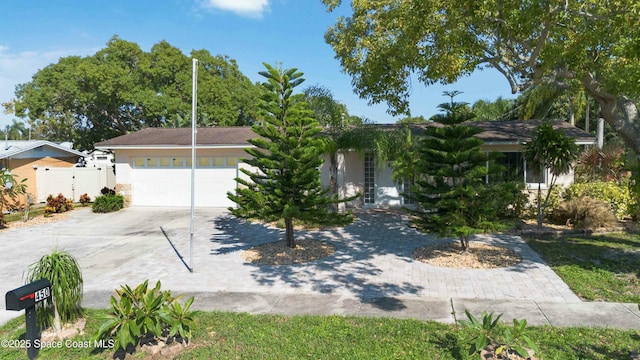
[72,182]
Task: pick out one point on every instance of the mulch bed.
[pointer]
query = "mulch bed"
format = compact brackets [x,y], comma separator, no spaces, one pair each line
[277,253]
[478,256]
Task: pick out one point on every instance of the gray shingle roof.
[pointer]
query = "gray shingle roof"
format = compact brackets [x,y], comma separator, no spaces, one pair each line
[520,131]
[13,147]
[179,137]
[494,132]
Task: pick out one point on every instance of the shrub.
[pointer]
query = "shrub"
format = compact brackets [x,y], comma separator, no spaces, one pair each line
[49,211]
[618,197]
[531,210]
[146,313]
[63,271]
[59,204]
[607,164]
[584,213]
[511,200]
[85,199]
[107,203]
[500,342]
[107,191]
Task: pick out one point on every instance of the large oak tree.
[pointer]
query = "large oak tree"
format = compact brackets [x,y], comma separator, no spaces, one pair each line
[122,88]
[585,45]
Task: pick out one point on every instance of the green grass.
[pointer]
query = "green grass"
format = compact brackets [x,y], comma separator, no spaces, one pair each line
[19,216]
[597,268]
[35,211]
[242,336]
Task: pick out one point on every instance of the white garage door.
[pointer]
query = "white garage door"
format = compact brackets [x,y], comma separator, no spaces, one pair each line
[156,184]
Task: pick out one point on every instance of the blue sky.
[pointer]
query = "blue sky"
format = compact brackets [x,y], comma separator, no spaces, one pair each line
[36,33]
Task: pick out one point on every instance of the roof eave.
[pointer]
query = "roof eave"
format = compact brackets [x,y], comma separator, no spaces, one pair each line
[171,147]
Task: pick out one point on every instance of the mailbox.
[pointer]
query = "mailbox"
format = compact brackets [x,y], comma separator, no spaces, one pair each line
[29,295]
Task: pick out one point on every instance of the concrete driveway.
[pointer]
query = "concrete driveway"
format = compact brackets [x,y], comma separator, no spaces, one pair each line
[373,259]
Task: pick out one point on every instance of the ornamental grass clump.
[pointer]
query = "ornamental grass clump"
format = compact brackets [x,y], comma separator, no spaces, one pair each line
[585,213]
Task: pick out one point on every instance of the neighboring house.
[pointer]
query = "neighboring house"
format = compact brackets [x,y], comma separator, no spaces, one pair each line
[24,157]
[96,158]
[153,165]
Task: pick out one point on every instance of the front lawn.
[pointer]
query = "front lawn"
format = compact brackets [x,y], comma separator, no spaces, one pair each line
[597,268]
[243,336]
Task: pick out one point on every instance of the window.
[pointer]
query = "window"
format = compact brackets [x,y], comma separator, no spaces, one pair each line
[177,162]
[232,161]
[369,179]
[138,162]
[515,168]
[534,176]
[218,161]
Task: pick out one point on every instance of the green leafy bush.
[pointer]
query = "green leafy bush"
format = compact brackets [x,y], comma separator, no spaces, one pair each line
[64,274]
[531,210]
[618,197]
[107,203]
[510,199]
[149,314]
[503,342]
[584,213]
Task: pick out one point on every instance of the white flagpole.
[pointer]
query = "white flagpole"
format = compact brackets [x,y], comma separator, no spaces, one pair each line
[194,104]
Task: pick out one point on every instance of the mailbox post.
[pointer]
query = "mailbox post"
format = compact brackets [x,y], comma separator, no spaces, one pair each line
[26,298]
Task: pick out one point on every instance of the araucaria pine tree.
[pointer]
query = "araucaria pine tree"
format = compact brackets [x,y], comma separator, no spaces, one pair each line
[284,182]
[451,190]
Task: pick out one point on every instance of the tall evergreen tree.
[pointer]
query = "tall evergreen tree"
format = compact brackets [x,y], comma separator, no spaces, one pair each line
[285,182]
[453,197]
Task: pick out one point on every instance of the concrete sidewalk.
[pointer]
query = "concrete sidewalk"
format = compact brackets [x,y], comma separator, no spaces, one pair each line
[537,313]
[372,272]
[559,314]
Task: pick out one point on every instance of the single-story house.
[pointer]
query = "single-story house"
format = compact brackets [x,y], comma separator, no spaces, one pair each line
[153,165]
[24,157]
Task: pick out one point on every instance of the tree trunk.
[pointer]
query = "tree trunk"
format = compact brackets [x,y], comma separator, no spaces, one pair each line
[333,182]
[620,112]
[464,242]
[57,324]
[289,233]
[540,217]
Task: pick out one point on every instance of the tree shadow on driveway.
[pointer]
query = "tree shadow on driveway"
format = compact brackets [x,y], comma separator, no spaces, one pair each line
[372,258]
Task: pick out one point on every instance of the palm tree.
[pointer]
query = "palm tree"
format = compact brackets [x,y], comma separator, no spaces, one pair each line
[17,130]
[549,149]
[341,132]
[498,110]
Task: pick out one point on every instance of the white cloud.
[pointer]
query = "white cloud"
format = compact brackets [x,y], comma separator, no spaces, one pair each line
[250,8]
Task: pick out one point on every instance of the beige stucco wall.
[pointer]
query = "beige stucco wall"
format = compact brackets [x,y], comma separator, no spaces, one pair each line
[24,169]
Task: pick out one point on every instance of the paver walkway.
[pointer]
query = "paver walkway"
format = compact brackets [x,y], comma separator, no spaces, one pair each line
[373,258]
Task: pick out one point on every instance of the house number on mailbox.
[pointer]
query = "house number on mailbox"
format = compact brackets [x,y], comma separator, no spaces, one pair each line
[42,294]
